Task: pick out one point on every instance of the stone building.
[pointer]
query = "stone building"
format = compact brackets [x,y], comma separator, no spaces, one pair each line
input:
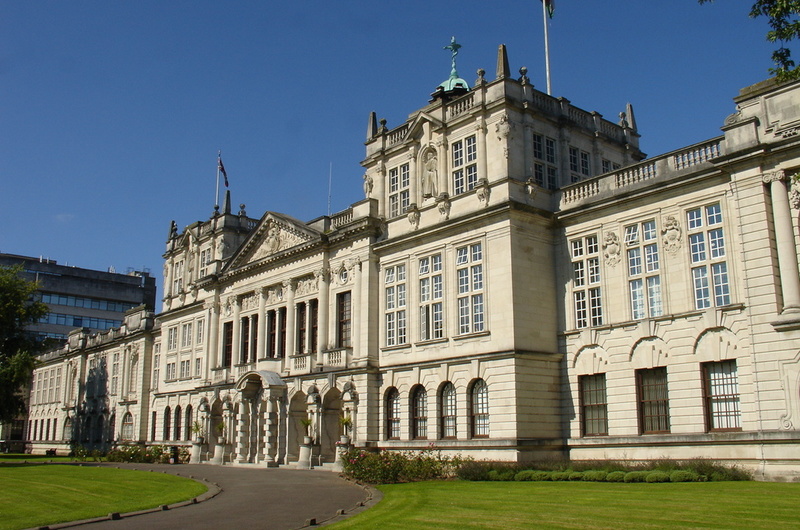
[519,282]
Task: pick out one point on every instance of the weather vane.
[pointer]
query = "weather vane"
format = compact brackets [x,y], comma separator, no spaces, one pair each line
[453,47]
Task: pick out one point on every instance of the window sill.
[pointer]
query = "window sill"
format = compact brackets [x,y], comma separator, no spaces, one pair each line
[432,341]
[468,336]
[396,348]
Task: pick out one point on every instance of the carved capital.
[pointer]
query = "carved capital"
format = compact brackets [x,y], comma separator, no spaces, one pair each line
[773,176]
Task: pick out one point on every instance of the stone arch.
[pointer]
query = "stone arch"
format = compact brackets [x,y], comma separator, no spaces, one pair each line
[716,344]
[295,429]
[649,352]
[216,418]
[590,359]
[330,427]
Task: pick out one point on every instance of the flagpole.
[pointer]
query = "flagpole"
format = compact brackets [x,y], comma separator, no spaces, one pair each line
[216,197]
[546,46]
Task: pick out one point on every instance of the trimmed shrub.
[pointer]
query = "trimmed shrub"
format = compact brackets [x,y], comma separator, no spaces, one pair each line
[680,475]
[635,476]
[524,476]
[594,476]
[576,475]
[540,476]
[657,476]
[472,470]
[501,475]
[616,476]
[559,475]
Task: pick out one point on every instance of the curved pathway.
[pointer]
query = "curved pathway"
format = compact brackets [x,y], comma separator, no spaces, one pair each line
[249,497]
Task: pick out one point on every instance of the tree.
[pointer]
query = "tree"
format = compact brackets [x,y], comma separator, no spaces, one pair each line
[17,346]
[783,19]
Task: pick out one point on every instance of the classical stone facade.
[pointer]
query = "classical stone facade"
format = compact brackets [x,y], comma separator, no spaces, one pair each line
[519,282]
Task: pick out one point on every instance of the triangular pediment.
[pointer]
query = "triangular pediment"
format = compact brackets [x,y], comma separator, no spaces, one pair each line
[419,120]
[275,234]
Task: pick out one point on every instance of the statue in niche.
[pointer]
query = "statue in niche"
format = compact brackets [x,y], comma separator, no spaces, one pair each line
[367,185]
[430,177]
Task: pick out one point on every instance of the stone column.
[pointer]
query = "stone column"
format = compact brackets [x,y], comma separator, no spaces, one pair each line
[262,324]
[213,335]
[291,339]
[444,173]
[236,354]
[356,308]
[270,430]
[279,348]
[251,354]
[785,241]
[242,432]
[480,127]
[323,281]
[307,348]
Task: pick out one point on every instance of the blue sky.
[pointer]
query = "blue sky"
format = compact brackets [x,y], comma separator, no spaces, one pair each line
[112,113]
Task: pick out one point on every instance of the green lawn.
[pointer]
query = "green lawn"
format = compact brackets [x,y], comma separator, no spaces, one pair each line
[35,494]
[505,505]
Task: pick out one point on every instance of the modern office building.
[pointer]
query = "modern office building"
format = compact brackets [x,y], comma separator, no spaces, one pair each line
[78,298]
[519,282]
[82,298]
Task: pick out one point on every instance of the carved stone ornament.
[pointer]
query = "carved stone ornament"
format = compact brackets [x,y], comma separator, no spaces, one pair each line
[794,192]
[611,249]
[671,234]
[323,274]
[530,188]
[413,216]
[250,301]
[228,308]
[505,131]
[306,285]
[342,275]
[503,128]
[483,191]
[443,204]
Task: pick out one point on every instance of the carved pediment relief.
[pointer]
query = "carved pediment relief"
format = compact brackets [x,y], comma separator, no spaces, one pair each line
[273,235]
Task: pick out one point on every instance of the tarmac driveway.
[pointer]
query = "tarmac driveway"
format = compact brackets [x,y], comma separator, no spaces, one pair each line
[250,497]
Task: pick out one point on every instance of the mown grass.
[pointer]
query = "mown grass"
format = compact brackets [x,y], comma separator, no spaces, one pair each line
[510,505]
[19,458]
[36,494]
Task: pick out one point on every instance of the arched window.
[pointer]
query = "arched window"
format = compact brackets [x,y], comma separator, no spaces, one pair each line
[448,411]
[187,424]
[153,423]
[112,428]
[167,421]
[68,429]
[47,430]
[177,435]
[419,413]
[392,414]
[479,409]
[127,426]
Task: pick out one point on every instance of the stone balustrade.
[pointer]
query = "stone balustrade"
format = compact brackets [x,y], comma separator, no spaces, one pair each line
[664,167]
